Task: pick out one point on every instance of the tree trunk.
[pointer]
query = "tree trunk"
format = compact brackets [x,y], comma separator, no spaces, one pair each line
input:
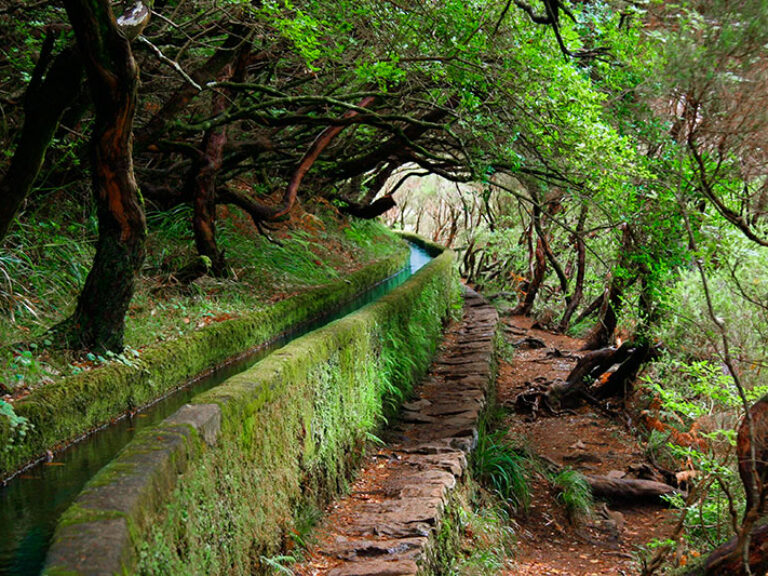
[369,211]
[202,179]
[602,332]
[532,289]
[754,476]
[568,393]
[44,104]
[578,289]
[204,195]
[543,253]
[99,319]
[629,488]
[726,561]
[591,378]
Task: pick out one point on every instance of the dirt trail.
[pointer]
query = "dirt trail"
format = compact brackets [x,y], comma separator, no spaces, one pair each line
[587,441]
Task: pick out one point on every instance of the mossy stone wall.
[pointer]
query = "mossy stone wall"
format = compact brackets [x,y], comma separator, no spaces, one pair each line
[65,410]
[217,495]
[432,248]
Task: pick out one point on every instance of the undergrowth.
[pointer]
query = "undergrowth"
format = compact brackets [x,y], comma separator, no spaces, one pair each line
[45,260]
[574,494]
[487,536]
[500,466]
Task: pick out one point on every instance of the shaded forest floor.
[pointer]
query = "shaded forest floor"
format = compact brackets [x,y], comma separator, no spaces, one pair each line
[609,542]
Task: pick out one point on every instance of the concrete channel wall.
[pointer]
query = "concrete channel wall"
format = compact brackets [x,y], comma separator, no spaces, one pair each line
[216,487]
[73,406]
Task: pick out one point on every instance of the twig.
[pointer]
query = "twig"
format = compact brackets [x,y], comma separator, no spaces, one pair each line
[172,63]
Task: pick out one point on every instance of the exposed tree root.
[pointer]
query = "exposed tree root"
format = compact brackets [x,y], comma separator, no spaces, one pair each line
[597,376]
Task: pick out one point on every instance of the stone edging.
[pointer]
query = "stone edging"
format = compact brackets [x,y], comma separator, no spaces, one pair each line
[65,410]
[432,248]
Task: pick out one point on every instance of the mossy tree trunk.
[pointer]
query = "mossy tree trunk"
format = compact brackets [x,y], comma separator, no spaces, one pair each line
[203,185]
[622,278]
[99,319]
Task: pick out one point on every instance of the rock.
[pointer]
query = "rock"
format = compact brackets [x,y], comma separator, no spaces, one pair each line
[582,457]
[348,549]
[529,343]
[416,405]
[376,567]
[418,417]
[610,521]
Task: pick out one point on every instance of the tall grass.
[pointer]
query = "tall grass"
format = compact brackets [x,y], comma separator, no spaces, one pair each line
[488,541]
[502,467]
[574,493]
[47,256]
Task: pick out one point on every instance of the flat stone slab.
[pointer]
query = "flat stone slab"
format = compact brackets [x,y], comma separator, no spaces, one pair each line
[387,527]
[356,549]
[376,568]
[94,548]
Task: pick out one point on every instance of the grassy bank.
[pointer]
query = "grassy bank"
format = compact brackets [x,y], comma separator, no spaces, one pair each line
[291,428]
[177,331]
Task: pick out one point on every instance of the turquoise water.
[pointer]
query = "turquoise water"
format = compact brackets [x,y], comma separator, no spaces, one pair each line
[32,502]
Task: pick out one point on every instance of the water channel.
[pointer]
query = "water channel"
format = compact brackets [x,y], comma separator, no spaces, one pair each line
[32,502]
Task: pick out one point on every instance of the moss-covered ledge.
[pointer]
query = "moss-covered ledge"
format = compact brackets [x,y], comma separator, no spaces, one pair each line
[65,410]
[432,248]
[213,489]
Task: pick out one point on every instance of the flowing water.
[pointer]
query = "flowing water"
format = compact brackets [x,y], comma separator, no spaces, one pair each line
[32,502]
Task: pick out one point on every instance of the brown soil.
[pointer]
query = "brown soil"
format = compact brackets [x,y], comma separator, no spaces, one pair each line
[548,544]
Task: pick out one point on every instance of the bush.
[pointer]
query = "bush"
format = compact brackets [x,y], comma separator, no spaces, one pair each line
[501,467]
[574,493]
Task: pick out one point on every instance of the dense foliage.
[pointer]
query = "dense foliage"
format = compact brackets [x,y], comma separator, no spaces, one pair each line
[602,164]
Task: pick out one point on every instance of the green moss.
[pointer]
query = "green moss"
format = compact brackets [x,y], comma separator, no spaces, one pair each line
[78,515]
[444,546]
[60,572]
[432,248]
[69,408]
[292,428]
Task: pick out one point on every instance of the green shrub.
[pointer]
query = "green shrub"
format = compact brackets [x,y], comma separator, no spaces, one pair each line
[501,467]
[574,493]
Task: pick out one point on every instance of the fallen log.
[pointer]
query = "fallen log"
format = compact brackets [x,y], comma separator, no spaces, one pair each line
[594,374]
[568,393]
[616,382]
[726,561]
[597,376]
[754,476]
[629,488]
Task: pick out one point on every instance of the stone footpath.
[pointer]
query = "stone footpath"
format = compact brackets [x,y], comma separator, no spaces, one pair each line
[388,524]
